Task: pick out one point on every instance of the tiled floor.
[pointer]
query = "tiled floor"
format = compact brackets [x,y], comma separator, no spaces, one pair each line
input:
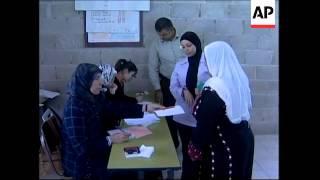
[266,159]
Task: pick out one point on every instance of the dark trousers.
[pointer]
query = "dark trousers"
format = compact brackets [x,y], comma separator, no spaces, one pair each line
[168,100]
[188,166]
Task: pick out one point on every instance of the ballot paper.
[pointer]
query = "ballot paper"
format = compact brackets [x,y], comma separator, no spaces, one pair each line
[148,119]
[170,111]
[134,131]
[145,152]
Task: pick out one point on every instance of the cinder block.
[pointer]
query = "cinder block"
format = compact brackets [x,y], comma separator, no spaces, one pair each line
[142,72]
[259,57]
[264,87]
[148,39]
[265,127]
[180,24]
[244,42]
[200,26]
[112,55]
[185,10]
[56,57]
[250,71]
[65,25]
[64,9]
[54,85]
[157,9]
[240,55]
[137,55]
[64,72]
[211,37]
[268,41]
[239,11]
[87,55]
[213,10]
[265,114]
[268,72]
[44,10]
[265,101]
[47,73]
[41,56]
[229,27]
[276,57]
[73,41]
[47,41]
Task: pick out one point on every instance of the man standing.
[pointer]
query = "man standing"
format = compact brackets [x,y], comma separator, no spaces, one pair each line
[163,55]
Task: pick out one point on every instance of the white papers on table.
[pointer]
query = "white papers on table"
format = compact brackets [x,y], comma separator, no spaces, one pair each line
[134,131]
[145,152]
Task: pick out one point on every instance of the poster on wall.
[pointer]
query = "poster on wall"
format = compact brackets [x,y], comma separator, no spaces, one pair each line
[129,5]
[113,28]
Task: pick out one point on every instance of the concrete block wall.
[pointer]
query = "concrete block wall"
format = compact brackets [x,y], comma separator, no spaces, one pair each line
[62,46]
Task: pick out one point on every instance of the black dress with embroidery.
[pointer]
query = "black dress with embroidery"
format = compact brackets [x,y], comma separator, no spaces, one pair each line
[224,150]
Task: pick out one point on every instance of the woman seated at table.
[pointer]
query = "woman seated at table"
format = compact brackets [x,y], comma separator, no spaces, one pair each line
[85,145]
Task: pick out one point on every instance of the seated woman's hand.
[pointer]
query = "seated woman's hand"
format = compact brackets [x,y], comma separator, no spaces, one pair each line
[120,137]
[113,87]
[151,107]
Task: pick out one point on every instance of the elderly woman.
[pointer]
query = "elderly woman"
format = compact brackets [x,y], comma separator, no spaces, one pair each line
[222,141]
[85,144]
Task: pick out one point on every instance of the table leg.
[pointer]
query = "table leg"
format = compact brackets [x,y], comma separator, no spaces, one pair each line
[170,174]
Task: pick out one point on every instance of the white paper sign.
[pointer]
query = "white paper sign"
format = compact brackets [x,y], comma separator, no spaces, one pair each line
[129,5]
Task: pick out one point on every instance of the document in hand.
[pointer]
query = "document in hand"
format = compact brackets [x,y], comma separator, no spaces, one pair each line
[170,111]
[148,118]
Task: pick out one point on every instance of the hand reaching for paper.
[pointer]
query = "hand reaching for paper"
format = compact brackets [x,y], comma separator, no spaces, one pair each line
[151,107]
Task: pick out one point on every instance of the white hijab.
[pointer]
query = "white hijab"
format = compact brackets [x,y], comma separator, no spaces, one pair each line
[228,80]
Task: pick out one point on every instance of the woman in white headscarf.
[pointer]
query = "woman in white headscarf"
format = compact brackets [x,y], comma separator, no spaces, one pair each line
[223,142]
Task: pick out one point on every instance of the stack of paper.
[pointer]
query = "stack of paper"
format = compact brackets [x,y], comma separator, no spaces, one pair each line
[145,152]
[138,131]
[148,119]
[134,131]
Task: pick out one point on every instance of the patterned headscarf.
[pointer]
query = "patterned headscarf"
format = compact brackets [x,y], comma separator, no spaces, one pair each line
[108,74]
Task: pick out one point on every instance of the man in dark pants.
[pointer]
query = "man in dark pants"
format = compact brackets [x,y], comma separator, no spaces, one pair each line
[164,53]
[168,100]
